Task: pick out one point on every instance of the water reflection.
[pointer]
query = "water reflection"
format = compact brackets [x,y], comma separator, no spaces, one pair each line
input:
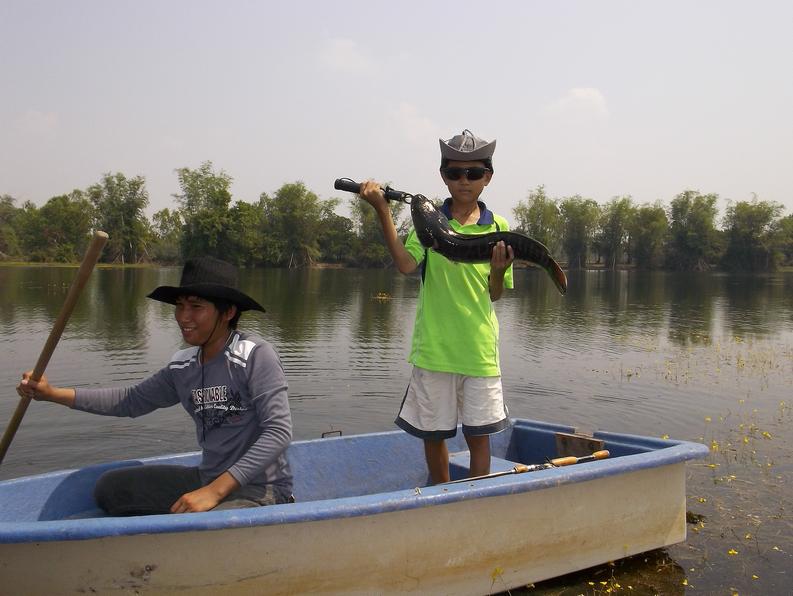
[119,313]
[757,304]
[649,573]
[302,305]
[647,353]
[35,293]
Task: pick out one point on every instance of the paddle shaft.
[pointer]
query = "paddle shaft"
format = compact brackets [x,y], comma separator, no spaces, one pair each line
[554,463]
[89,261]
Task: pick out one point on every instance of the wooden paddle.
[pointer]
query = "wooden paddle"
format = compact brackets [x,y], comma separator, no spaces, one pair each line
[89,260]
[554,463]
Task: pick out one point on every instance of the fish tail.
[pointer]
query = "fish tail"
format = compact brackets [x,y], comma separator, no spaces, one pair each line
[558,276]
[528,249]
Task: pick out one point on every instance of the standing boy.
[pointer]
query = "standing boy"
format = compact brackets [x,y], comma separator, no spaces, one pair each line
[232,385]
[455,339]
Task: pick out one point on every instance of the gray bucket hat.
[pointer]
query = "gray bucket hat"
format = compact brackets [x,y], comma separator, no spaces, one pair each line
[467,147]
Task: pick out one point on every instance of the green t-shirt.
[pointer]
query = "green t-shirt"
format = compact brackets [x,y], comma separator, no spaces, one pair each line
[456,328]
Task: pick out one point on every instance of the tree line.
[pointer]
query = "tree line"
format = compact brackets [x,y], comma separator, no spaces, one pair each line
[291,228]
[295,228]
[685,236]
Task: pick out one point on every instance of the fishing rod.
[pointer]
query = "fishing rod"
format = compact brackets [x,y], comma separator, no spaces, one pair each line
[391,194]
[554,463]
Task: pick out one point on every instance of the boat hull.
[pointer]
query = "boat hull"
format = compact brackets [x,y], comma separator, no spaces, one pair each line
[458,539]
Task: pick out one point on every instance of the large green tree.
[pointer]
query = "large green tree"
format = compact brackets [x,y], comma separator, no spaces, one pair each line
[648,233]
[294,216]
[58,231]
[751,229]
[167,231]
[372,250]
[119,203]
[337,240]
[204,207]
[579,222]
[9,243]
[245,234]
[612,238]
[540,218]
[785,238]
[693,244]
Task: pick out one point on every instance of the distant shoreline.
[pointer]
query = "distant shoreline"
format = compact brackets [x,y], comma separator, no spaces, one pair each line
[518,265]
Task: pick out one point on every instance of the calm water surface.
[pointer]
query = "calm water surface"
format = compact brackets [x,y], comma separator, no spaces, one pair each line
[702,357]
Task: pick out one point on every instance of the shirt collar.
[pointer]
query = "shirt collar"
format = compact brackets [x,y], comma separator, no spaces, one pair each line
[485,215]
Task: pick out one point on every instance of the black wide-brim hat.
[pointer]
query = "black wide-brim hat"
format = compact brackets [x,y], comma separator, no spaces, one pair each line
[208,277]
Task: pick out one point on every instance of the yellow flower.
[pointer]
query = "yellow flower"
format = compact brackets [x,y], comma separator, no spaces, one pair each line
[732,551]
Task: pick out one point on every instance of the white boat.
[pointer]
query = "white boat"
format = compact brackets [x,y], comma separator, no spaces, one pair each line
[365,522]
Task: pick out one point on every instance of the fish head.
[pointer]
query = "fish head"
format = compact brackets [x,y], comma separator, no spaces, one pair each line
[429,222]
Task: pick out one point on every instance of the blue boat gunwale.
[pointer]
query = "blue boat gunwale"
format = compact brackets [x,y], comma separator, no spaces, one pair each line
[654,452]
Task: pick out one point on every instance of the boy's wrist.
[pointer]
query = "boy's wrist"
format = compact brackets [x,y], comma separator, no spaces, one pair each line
[497,272]
[383,208]
[65,396]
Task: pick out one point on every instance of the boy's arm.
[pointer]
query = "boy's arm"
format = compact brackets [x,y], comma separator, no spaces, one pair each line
[373,194]
[207,497]
[43,391]
[268,389]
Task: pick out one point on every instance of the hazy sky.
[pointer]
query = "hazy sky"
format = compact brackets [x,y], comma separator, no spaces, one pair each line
[598,98]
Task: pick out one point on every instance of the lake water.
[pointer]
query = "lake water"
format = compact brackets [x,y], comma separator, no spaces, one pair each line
[700,357]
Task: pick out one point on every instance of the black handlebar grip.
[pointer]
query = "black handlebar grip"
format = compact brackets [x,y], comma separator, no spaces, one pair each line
[347,185]
[351,186]
[393,195]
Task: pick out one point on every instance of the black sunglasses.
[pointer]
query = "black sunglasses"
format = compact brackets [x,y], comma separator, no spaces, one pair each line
[470,173]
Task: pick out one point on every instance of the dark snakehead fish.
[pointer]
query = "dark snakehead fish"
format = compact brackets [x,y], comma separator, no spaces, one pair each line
[434,231]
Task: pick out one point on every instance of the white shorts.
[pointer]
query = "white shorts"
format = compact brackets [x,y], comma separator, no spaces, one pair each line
[433,399]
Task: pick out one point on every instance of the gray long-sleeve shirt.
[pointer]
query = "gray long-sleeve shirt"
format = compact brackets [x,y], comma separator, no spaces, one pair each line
[238,401]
